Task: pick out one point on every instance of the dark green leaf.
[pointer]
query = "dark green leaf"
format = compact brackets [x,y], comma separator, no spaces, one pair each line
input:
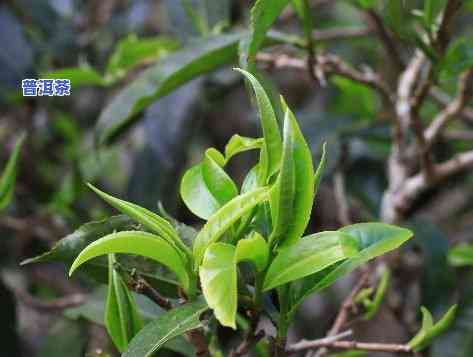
[166,327]
[8,177]
[263,14]
[160,79]
[308,256]
[459,56]
[121,315]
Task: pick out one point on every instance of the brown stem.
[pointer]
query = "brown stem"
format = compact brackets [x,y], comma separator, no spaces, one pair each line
[349,345]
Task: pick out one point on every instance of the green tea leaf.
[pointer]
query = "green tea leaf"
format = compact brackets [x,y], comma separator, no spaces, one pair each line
[138,243]
[206,187]
[131,51]
[429,331]
[217,180]
[269,123]
[196,195]
[238,144]
[121,315]
[283,194]
[374,239]
[166,327]
[8,177]
[253,249]
[308,256]
[218,276]
[263,14]
[304,182]
[160,79]
[459,56]
[81,76]
[320,169]
[461,255]
[148,219]
[224,218]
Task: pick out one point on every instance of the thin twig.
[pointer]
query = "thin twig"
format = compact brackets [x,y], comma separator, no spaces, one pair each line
[309,344]
[353,345]
[456,106]
[341,33]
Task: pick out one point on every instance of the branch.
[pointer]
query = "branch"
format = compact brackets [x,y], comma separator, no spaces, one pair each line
[377,25]
[453,109]
[309,344]
[444,99]
[344,311]
[334,65]
[349,345]
[341,33]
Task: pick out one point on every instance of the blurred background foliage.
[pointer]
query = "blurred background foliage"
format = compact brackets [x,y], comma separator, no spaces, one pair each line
[103,45]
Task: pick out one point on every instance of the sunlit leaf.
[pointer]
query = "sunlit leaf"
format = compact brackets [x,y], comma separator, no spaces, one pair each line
[138,243]
[308,256]
[224,218]
[238,144]
[253,249]
[272,136]
[218,276]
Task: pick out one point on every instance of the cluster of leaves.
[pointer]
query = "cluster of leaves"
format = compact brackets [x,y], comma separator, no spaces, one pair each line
[262,223]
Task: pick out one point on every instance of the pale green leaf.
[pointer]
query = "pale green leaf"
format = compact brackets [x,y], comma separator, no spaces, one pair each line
[253,249]
[138,243]
[217,180]
[374,239]
[238,144]
[304,183]
[81,76]
[148,219]
[308,256]
[218,276]
[269,123]
[224,218]
[166,327]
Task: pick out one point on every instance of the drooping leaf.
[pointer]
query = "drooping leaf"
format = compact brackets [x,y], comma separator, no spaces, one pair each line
[304,181]
[263,14]
[138,243]
[166,327]
[122,319]
[224,218]
[206,187]
[8,177]
[218,276]
[308,256]
[271,134]
[461,255]
[253,249]
[374,239]
[148,219]
[429,331]
[160,79]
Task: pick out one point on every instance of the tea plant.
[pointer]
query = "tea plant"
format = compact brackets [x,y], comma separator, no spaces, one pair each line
[261,223]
